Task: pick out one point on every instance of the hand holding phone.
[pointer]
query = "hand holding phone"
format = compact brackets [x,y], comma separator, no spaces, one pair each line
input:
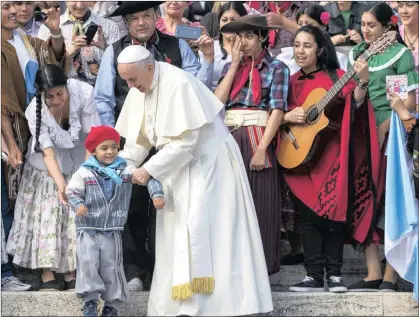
[188,32]
[91,32]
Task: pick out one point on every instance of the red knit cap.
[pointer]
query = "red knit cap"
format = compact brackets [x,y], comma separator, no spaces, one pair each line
[100,134]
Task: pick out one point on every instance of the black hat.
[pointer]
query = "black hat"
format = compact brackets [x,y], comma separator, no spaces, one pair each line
[248,23]
[128,7]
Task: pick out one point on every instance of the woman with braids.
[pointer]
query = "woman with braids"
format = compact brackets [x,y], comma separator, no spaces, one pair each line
[229,12]
[395,60]
[43,234]
[255,89]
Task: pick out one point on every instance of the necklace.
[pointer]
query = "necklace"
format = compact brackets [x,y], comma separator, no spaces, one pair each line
[411,43]
[149,108]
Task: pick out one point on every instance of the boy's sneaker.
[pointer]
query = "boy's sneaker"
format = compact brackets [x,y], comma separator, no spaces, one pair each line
[90,308]
[109,311]
[309,284]
[335,285]
[12,284]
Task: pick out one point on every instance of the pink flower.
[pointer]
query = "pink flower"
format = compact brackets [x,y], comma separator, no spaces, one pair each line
[325,18]
[394,20]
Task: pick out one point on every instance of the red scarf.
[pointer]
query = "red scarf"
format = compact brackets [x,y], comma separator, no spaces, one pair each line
[243,75]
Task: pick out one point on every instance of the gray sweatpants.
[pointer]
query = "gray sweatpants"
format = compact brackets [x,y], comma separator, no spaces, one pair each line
[100,269]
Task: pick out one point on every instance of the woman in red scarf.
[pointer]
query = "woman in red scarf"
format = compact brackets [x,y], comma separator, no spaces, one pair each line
[324,198]
[255,89]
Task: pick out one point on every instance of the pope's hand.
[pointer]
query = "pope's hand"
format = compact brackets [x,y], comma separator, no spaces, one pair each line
[140,176]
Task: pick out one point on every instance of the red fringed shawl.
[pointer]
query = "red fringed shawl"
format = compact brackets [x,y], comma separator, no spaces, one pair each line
[343,186]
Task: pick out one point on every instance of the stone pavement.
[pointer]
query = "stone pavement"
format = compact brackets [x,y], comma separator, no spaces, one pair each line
[285,304]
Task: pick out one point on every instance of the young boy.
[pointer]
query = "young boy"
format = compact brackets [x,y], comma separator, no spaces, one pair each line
[100,193]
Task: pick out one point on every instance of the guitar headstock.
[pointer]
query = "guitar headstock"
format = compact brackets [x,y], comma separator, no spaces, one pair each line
[385,41]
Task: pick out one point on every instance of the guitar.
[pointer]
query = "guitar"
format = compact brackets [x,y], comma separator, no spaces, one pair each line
[301,144]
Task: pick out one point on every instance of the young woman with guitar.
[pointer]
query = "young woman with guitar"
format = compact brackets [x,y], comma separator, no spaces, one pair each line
[321,191]
[395,60]
[255,89]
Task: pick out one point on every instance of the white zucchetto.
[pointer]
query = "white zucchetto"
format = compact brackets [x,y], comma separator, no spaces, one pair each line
[133,54]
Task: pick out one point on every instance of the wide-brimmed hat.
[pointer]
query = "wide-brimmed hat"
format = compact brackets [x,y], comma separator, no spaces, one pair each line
[248,23]
[128,7]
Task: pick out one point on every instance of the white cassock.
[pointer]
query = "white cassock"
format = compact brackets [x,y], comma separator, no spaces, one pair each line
[209,254]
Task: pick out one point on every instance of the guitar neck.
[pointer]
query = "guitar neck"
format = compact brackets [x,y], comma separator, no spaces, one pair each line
[337,87]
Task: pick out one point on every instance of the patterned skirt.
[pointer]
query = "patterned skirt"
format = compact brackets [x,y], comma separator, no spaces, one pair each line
[43,234]
[266,193]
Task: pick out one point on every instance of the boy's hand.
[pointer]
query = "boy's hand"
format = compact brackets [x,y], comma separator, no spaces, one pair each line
[81,211]
[158,202]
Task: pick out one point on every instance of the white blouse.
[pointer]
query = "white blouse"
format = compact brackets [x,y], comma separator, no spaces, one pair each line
[68,145]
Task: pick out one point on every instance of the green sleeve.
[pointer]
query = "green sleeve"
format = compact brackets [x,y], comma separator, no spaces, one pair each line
[406,65]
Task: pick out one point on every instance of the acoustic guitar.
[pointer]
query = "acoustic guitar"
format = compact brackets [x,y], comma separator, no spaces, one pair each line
[301,145]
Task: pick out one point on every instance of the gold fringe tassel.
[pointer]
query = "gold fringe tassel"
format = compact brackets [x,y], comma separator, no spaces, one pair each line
[203,285]
[183,291]
[199,285]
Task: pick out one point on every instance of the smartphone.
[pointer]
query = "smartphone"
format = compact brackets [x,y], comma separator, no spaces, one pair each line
[90,32]
[40,16]
[188,32]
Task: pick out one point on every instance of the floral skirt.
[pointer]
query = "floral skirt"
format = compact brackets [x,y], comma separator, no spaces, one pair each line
[43,234]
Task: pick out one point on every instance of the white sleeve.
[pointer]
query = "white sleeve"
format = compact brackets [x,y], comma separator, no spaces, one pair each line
[44,137]
[135,156]
[44,33]
[89,116]
[173,156]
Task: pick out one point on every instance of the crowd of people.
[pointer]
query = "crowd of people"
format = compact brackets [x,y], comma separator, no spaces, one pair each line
[140,158]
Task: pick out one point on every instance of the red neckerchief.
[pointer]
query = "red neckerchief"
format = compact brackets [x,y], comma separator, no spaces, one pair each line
[243,75]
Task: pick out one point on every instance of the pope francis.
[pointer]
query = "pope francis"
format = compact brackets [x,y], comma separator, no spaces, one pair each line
[209,254]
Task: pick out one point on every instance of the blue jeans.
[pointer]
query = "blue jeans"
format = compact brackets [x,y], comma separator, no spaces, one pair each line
[7,219]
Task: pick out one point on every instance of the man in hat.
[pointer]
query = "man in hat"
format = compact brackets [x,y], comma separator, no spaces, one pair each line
[141,18]
[83,60]
[209,254]
[111,91]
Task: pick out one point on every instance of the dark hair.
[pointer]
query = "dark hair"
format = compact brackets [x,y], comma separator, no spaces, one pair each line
[314,11]
[263,36]
[383,13]
[47,77]
[327,58]
[231,5]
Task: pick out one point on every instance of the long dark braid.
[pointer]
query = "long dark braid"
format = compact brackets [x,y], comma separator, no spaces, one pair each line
[38,121]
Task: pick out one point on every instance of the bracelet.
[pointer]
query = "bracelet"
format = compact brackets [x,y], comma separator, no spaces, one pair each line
[57,36]
[363,86]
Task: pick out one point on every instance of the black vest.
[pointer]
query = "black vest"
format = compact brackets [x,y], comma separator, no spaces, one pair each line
[167,46]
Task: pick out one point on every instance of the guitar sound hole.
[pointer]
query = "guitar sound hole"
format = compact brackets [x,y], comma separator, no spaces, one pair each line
[312,115]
